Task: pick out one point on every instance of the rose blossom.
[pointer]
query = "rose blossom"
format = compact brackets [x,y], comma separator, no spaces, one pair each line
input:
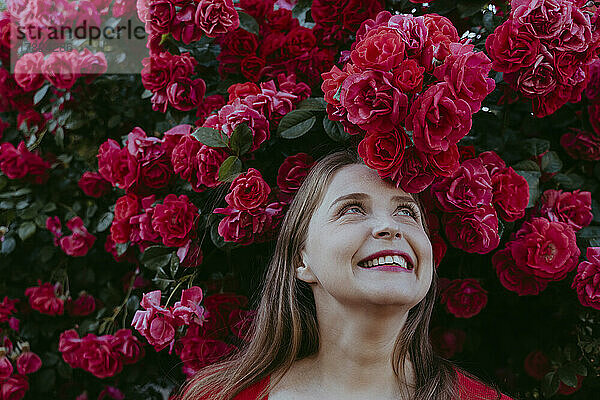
[183,26]
[438,119]
[473,231]
[381,48]
[84,305]
[581,145]
[216,17]
[6,368]
[248,191]
[28,71]
[573,208]
[512,47]
[547,18]
[117,165]
[408,76]
[155,323]
[248,226]
[28,362]
[415,174]
[43,298]
[594,113]
[93,185]
[414,31]
[80,241]
[209,161]
[592,91]
[61,69]
[537,365]
[384,151]
[469,188]
[546,249]
[510,194]
[175,220]
[372,101]
[14,387]
[514,277]
[188,310]
[97,357]
[127,346]
[293,171]
[587,279]
[197,352]
[464,298]
[185,94]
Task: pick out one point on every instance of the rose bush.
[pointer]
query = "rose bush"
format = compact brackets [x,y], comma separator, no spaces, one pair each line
[172,184]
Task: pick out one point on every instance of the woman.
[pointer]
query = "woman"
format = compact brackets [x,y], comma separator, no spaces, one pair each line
[335,320]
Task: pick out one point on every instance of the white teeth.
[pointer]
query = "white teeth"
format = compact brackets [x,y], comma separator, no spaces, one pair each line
[376,262]
[389,259]
[400,261]
[370,263]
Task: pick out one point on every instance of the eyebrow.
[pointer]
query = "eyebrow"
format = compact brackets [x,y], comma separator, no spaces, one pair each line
[363,196]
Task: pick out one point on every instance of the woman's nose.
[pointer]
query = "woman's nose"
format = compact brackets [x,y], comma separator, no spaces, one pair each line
[386,228]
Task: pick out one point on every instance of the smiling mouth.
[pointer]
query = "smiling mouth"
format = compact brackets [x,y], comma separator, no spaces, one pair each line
[387,263]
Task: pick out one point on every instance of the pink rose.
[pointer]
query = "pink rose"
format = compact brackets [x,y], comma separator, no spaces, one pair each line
[372,101]
[414,31]
[61,69]
[293,171]
[474,231]
[469,188]
[464,298]
[248,191]
[14,387]
[515,278]
[6,367]
[188,309]
[55,227]
[93,185]
[28,71]
[175,220]
[382,48]
[231,115]
[572,208]
[80,241]
[438,119]
[511,194]
[92,64]
[28,362]
[545,249]
[216,17]
[587,279]
[466,74]
[43,298]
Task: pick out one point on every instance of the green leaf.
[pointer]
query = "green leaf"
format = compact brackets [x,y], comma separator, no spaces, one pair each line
[589,232]
[231,167]
[209,136]
[147,94]
[526,165]
[26,230]
[312,104]
[121,248]
[8,245]
[162,280]
[469,9]
[567,375]
[488,20]
[570,181]
[295,124]
[533,180]
[551,163]
[579,368]
[535,146]
[596,210]
[248,23]
[174,265]
[41,93]
[214,234]
[155,257]
[49,207]
[241,139]
[104,222]
[300,8]
[335,130]
[550,384]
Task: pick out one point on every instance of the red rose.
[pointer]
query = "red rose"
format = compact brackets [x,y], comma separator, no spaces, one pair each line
[120,231]
[447,342]
[372,101]
[572,208]
[11,162]
[161,14]
[383,151]
[84,305]
[246,226]
[415,173]
[183,159]
[293,171]
[219,308]
[587,279]
[257,8]
[240,322]
[117,165]
[209,161]
[354,12]
[594,113]
[511,194]
[28,362]
[464,298]
[61,69]
[548,250]
[466,74]
[240,43]
[43,298]
[592,91]
[438,119]
[467,152]
[414,31]
[242,90]
[190,255]
[537,80]
[175,220]
[492,162]
[252,67]
[515,278]
[299,42]
[156,73]
[14,387]
[78,243]
[547,19]
[473,231]
[28,71]
[469,188]
[581,145]
[408,76]
[216,17]
[440,34]
[93,185]
[185,94]
[332,81]
[128,347]
[155,173]
[183,26]
[537,365]
[126,206]
[198,352]
[445,163]
[97,356]
[281,20]
[512,47]
[382,48]
[248,191]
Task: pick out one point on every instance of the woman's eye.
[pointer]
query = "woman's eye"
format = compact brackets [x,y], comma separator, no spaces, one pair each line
[352,208]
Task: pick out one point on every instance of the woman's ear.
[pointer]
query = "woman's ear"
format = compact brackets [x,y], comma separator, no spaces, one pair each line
[303,271]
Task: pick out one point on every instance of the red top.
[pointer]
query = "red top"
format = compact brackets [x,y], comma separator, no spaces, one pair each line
[469,389]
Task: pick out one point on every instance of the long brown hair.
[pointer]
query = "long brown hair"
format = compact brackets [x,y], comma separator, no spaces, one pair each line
[285,328]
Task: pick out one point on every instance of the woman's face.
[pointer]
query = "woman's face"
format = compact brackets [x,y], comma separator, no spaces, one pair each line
[361,215]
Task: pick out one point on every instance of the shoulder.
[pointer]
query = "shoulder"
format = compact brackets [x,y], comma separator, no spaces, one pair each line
[472,389]
[252,392]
